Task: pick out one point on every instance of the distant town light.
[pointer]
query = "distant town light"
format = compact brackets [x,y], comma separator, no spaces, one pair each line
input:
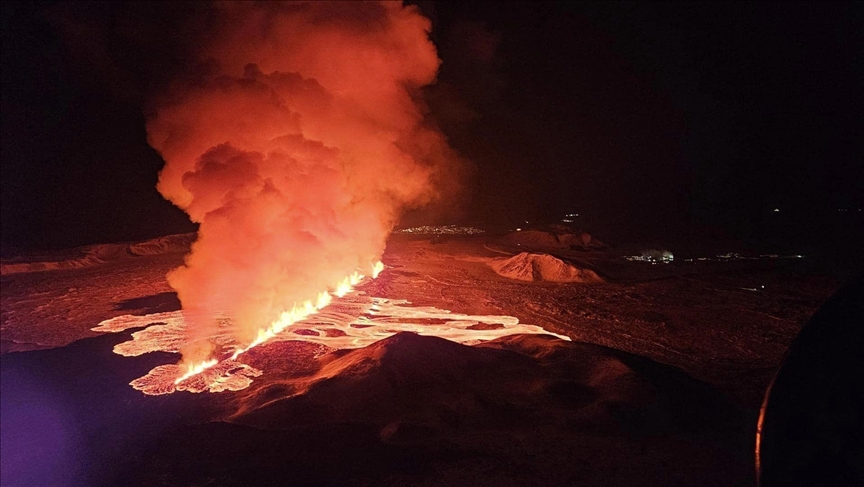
[653,257]
[441,230]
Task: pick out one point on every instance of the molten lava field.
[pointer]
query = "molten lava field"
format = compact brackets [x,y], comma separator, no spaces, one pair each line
[469,360]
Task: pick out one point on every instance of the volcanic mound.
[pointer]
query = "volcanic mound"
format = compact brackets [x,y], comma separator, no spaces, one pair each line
[435,385]
[460,410]
[532,267]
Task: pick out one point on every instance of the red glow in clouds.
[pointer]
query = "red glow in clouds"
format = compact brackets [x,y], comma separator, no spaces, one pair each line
[296,146]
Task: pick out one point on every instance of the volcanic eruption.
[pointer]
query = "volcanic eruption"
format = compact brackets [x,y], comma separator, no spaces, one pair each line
[295,144]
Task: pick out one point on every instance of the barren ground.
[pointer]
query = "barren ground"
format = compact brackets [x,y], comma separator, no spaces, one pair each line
[660,387]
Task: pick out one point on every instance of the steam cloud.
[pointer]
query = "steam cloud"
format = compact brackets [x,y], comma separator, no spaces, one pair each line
[296,146]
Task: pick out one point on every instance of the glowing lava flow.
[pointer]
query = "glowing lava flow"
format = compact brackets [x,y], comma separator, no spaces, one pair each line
[288,318]
[195,369]
[333,323]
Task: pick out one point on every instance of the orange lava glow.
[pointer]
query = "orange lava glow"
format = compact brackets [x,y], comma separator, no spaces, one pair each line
[195,369]
[354,320]
[295,151]
[288,318]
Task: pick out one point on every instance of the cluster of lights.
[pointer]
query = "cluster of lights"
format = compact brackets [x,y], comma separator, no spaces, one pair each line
[441,230]
[840,210]
[653,257]
[730,255]
[756,289]
[569,217]
[665,257]
[736,256]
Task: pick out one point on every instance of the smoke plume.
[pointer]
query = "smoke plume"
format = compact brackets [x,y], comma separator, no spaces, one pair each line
[296,144]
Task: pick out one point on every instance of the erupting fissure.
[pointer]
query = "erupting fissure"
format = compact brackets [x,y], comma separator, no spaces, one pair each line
[296,139]
[288,318]
[354,321]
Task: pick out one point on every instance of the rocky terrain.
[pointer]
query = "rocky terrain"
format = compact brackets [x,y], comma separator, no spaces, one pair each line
[659,384]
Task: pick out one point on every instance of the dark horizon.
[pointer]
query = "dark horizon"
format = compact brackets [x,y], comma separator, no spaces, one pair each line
[638,116]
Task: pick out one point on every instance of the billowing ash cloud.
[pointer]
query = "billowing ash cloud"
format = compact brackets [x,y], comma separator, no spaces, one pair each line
[296,147]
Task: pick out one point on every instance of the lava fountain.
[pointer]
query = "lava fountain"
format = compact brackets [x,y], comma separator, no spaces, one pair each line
[295,143]
[286,319]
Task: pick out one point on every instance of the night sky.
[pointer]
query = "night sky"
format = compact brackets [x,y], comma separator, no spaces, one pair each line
[634,115]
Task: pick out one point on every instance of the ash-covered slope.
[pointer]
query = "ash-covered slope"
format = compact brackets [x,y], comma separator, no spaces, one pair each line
[528,266]
[93,255]
[406,378]
[522,410]
[408,410]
